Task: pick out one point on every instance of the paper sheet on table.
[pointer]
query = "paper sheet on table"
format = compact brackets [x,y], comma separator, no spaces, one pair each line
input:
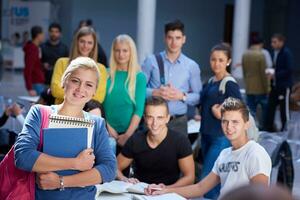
[169,196]
[193,126]
[33,99]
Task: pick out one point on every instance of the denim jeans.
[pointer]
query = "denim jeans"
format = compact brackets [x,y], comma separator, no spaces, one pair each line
[253,101]
[39,88]
[211,146]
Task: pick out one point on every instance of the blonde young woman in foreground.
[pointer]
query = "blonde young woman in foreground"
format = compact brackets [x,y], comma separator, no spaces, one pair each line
[95,165]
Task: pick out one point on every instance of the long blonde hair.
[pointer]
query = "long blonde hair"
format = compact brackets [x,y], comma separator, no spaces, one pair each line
[74,53]
[133,65]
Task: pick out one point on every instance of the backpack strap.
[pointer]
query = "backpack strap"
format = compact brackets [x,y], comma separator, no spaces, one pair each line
[160,64]
[286,172]
[211,79]
[222,87]
[45,113]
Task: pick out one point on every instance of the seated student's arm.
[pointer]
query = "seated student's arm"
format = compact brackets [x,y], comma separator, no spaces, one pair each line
[260,179]
[259,166]
[17,111]
[187,169]
[190,191]
[124,159]
[123,163]
[5,116]
[185,161]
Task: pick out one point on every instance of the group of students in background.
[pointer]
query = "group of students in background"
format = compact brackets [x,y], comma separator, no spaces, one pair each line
[161,89]
[268,80]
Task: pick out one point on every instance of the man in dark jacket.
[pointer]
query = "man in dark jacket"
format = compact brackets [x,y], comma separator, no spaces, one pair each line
[281,81]
[53,49]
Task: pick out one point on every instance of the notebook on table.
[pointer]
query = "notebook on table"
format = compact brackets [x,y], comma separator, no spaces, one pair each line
[123,190]
[118,187]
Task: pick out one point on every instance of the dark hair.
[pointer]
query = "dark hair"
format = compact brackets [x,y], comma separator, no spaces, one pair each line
[279,36]
[25,33]
[234,104]
[89,22]
[82,23]
[93,104]
[35,31]
[17,35]
[174,25]
[54,25]
[256,40]
[156,101]
[225,47]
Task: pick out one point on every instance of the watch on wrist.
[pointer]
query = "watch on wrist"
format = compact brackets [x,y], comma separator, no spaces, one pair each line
[61,183]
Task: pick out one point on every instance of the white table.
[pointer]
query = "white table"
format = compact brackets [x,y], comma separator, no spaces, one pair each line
[129,196]
[109,196]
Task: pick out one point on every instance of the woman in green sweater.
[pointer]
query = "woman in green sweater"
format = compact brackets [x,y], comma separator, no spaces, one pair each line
[125,91]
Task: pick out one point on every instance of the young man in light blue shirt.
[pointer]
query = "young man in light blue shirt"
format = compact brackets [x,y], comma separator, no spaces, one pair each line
[178,81]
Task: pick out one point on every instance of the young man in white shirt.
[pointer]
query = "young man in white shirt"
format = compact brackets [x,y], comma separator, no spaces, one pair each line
[246,162]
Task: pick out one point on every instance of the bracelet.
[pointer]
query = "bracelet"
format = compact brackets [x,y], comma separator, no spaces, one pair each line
[61,183]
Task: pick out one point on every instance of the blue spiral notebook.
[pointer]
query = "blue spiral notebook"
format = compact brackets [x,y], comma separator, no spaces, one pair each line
[65,143]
